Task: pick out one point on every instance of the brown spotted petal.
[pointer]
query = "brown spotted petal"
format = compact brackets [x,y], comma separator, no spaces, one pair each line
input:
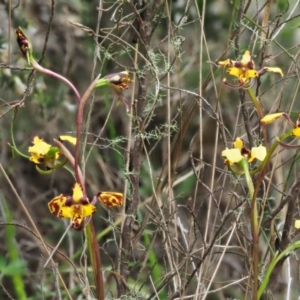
[111,199]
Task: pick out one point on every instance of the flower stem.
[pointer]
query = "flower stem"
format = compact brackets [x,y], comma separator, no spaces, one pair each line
[244,164]
[278,256]
[12,137]
[39,68]
[272,149]
[79,120]
[255,103]
[260,115]
[95,257]
[254,225]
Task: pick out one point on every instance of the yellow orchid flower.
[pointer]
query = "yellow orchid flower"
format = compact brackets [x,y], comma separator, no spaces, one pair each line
[76,207]
[239,151]
[245,70]
[44,153]
[118,82]
[232,155]
[40,150]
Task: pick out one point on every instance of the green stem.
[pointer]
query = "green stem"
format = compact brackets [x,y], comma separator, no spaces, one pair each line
[272,149]
[12,137]
[244,164]
[254,225]
[260,114]
[254,215]
[94,254]
[272,265]
[255,103]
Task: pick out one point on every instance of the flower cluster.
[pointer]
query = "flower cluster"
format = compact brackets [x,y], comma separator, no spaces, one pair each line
[77,207]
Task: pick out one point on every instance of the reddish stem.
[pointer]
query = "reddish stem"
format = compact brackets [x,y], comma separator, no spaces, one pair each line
[79,120]
[39,68]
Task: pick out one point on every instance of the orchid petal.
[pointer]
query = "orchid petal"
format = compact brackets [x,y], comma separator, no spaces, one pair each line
[297,224]
[259,153]
[246,58]
[296,132]
[232,155]
[225,63]
[267,119]
[238,143]
[77,193]
[275,70]
[68,138]
[110,199]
